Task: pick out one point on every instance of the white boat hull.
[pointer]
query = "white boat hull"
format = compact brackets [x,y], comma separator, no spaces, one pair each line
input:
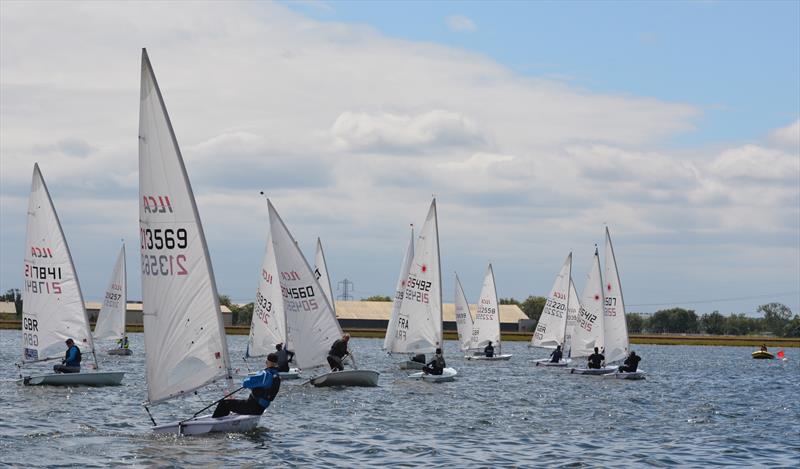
[546,362]
[111,378]
[448,374]
[365,378]
[485,358]
[293,373]
[232,423]
[593,371]
[638,374]
[120,351]
[411,365]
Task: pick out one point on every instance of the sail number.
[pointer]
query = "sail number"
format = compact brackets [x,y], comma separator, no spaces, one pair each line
[164,265]
[417,290]
[485,313]
[29,329]
[586,319]
[163,239]
[299,299]
[610,308]
[555,308]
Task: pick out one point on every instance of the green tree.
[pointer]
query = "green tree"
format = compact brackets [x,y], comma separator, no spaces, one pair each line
[740,324]
[509,301]
[792,329]
[244,314]
[713,323]
[635,322]
[776,317]
[533,306]
[675,320]
[377,298]
[15,297]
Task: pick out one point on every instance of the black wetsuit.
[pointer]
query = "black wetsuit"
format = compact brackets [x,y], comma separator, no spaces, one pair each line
[336,354]
[488,351]
[263,388]
[595,360]
[631,363]
[435,366]
[419,358]
[555,357]
[284,357]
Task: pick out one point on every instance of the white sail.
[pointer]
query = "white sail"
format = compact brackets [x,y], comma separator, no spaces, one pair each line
[550,329]
[486,327]
[616,330]
[268,325]
[464,323]
[418,327]
[111,318]
[184,334]
[321,272]
[391,328]
[573,308]
[588,331]
[312,324]
[52,303]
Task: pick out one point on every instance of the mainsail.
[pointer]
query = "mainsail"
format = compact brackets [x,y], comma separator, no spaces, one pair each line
[616,330]
[321,272]
[551,328]
[52,303]
[486,327]
[312,324]
[573,308]
[464,323]
[418,327]
[111,318]
[391,329]
[183,330]
[588,332]
[268,325]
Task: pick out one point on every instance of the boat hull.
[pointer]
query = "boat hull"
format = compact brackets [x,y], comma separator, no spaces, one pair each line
[593,371]
[634,375]
[111,378]
[762,355]
[490,359]
[448,374]
[232,423]
[120,351]
[363,378]
[293,373]
[547,363]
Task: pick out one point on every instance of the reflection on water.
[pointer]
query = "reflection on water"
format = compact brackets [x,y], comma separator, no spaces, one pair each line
[699,406]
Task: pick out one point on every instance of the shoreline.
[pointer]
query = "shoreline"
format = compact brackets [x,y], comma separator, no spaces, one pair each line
[651,339]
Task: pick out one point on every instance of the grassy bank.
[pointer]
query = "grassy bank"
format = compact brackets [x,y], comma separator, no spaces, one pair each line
[654,339]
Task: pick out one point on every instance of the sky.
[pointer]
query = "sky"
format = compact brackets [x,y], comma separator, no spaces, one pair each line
[535,125]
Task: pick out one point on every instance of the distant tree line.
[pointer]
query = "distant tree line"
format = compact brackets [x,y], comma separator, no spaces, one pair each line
[776,319]
[13,296]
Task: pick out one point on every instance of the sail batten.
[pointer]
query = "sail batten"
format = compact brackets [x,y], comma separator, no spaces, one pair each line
[185,341]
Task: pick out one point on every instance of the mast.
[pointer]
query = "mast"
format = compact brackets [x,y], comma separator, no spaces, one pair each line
[497,302]
[439,262]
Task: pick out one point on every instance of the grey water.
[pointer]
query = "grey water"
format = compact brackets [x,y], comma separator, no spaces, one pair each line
[699,406]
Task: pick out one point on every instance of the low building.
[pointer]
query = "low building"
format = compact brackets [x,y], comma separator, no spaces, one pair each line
[133,314]
[376,314]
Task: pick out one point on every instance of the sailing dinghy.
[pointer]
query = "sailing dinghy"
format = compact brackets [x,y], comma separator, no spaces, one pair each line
[392,329]
[551,330]
[486,326]
[52,303]
[464,323]
[111,318]
[184,335]
[311,321]
[268,325]
[616,328]
[418,327]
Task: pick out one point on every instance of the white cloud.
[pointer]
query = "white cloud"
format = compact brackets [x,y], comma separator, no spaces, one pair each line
[350,133]
[460,23]
[788,136]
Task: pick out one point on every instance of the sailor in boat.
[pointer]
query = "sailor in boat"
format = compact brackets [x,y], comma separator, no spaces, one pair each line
[488,350]
[337,353]
[631,363]
[123,343]
[284,357]
[763,347]
[435,366]
[72,359]
[555,355]
[263,386]
[419,358]
[596,359]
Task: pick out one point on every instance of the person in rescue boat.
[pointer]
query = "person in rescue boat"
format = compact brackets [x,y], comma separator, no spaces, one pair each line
[72,359]
[264,386]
